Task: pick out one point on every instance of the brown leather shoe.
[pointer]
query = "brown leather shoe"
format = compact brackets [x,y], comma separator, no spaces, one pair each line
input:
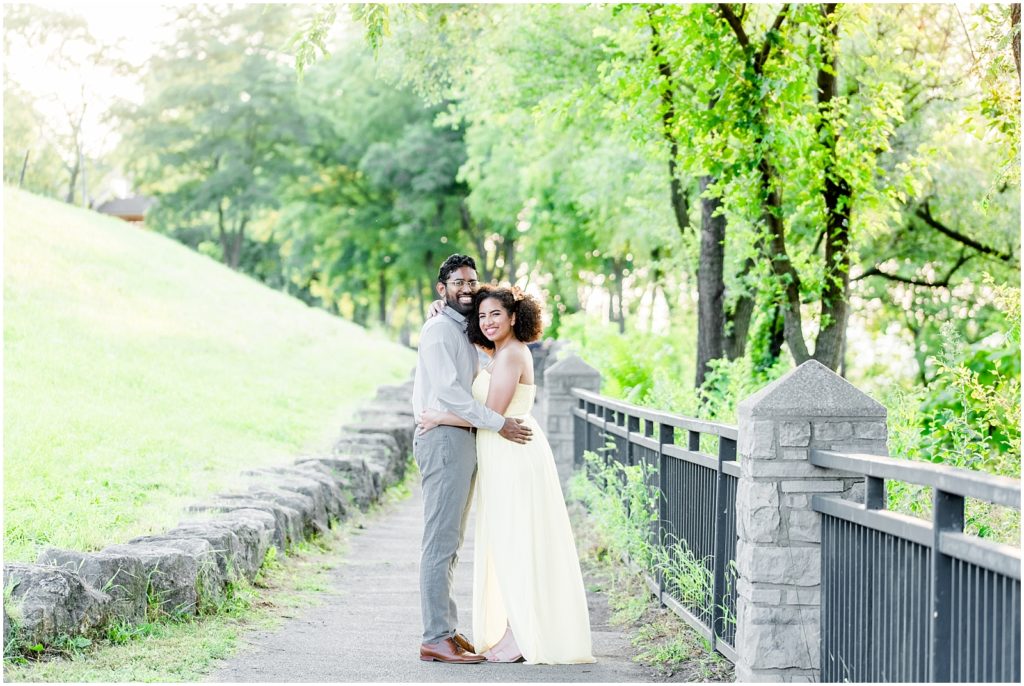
[463,643]
[448,651]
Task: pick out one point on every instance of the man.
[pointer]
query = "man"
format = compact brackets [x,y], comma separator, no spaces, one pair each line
[446,455]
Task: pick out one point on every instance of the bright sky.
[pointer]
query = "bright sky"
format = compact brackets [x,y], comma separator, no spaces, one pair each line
[133,29]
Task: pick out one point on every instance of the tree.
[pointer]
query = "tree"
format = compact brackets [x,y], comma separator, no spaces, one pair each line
[65,46]
[212,149]
[366,223]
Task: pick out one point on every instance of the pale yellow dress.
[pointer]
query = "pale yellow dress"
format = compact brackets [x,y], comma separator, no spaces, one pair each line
[526,573]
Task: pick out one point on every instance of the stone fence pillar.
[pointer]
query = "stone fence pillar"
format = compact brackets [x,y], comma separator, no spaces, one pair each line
[778,554]
[559,379]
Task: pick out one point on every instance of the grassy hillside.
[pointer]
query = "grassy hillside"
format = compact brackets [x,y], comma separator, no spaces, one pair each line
[139,376]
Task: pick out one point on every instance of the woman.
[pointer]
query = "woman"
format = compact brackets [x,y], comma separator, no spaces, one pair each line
[528,596]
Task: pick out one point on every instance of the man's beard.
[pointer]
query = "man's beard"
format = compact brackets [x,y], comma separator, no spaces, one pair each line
[453,302]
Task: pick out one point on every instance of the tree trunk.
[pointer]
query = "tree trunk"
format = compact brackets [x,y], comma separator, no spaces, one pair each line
[828,347]
[614,293]
[782,266]
[710,283]
[382,303]
[24,168]
[222,233]
[1015,28]
[359,312]
[510,259]
[237,241]
[743,310]
[70,197]
[739,317]
[777,337]
[85,187]
[76,132]
[420,290]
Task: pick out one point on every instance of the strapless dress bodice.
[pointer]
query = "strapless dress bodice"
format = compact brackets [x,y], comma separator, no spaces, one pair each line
[522,399]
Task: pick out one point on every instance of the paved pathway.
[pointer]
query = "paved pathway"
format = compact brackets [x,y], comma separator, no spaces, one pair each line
[370,630]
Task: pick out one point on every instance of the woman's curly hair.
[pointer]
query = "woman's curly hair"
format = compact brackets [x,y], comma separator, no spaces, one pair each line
[528,325]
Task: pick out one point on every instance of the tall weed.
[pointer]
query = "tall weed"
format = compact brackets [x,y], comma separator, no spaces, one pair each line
[624,507]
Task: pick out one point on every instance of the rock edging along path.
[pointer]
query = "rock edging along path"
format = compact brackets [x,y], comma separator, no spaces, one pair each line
[368,628]
[187,570]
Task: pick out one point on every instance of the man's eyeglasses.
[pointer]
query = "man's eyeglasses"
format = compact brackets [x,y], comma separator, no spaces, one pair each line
[459,283]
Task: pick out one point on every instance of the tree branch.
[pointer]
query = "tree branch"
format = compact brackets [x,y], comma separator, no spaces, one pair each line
[766,48]
[943,283]
[735,23]
[1015,30]
[925,214]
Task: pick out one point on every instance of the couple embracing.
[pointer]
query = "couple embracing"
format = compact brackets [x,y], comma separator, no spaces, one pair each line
[475,430]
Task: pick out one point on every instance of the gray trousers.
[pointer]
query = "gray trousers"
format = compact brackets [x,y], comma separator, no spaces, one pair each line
[447,460]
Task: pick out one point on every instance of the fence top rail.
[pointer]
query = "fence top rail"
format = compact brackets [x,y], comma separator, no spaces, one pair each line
[666,418]
[999,490]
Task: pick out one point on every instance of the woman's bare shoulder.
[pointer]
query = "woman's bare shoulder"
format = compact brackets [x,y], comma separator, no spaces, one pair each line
[514,355]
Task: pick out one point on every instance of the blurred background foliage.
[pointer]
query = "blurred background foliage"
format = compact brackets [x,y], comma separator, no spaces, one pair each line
[702,195]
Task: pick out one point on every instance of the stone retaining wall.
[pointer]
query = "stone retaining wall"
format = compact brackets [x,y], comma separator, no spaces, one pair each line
[186,570]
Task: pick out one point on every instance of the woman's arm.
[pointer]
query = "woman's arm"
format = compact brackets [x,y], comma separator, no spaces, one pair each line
[506,370]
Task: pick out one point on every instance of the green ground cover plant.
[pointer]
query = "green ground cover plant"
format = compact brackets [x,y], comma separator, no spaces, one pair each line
[619,511]
[140,376]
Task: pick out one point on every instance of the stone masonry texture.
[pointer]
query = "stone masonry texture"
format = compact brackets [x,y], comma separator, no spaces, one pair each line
[779,534]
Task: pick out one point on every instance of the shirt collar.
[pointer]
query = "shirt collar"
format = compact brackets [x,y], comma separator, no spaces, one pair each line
[456,316]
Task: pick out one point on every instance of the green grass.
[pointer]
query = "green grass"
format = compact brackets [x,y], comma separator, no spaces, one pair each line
[140,376]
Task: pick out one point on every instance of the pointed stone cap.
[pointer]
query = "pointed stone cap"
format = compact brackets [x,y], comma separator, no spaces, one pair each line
[811,390]
[571,365]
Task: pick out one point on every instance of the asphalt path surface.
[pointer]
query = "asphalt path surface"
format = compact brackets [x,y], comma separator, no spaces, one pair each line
[369,630]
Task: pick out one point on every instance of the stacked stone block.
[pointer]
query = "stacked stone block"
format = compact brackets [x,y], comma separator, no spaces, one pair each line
[778,548]
[558,402]
[186,570]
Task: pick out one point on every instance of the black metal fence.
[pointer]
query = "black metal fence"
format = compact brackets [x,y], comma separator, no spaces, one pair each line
[696,501]
[908,600]
[902,599]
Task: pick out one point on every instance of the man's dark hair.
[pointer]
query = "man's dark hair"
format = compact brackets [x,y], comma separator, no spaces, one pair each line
[454,262]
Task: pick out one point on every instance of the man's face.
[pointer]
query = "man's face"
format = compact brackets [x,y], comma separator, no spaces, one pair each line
[458,290]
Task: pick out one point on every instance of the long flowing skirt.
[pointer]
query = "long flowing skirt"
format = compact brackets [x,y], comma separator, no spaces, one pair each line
[527,573]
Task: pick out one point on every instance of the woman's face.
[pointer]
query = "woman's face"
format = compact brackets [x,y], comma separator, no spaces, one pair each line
[495,322]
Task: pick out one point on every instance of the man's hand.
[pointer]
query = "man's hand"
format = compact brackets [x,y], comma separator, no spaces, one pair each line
[435,308]
[515,431]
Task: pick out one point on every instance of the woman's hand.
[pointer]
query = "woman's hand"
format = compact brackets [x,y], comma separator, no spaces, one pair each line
[429,419]
[435,308]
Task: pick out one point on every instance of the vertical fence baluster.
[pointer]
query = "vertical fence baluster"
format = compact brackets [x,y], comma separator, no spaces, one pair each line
[666,436]
[874,493]
[693,441]
[579,430]
[948,516]
[604,412]
[633,427]
[587,447]
[726,453]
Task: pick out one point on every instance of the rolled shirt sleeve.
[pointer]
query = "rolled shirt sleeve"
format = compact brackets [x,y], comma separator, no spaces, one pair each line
[439,364]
